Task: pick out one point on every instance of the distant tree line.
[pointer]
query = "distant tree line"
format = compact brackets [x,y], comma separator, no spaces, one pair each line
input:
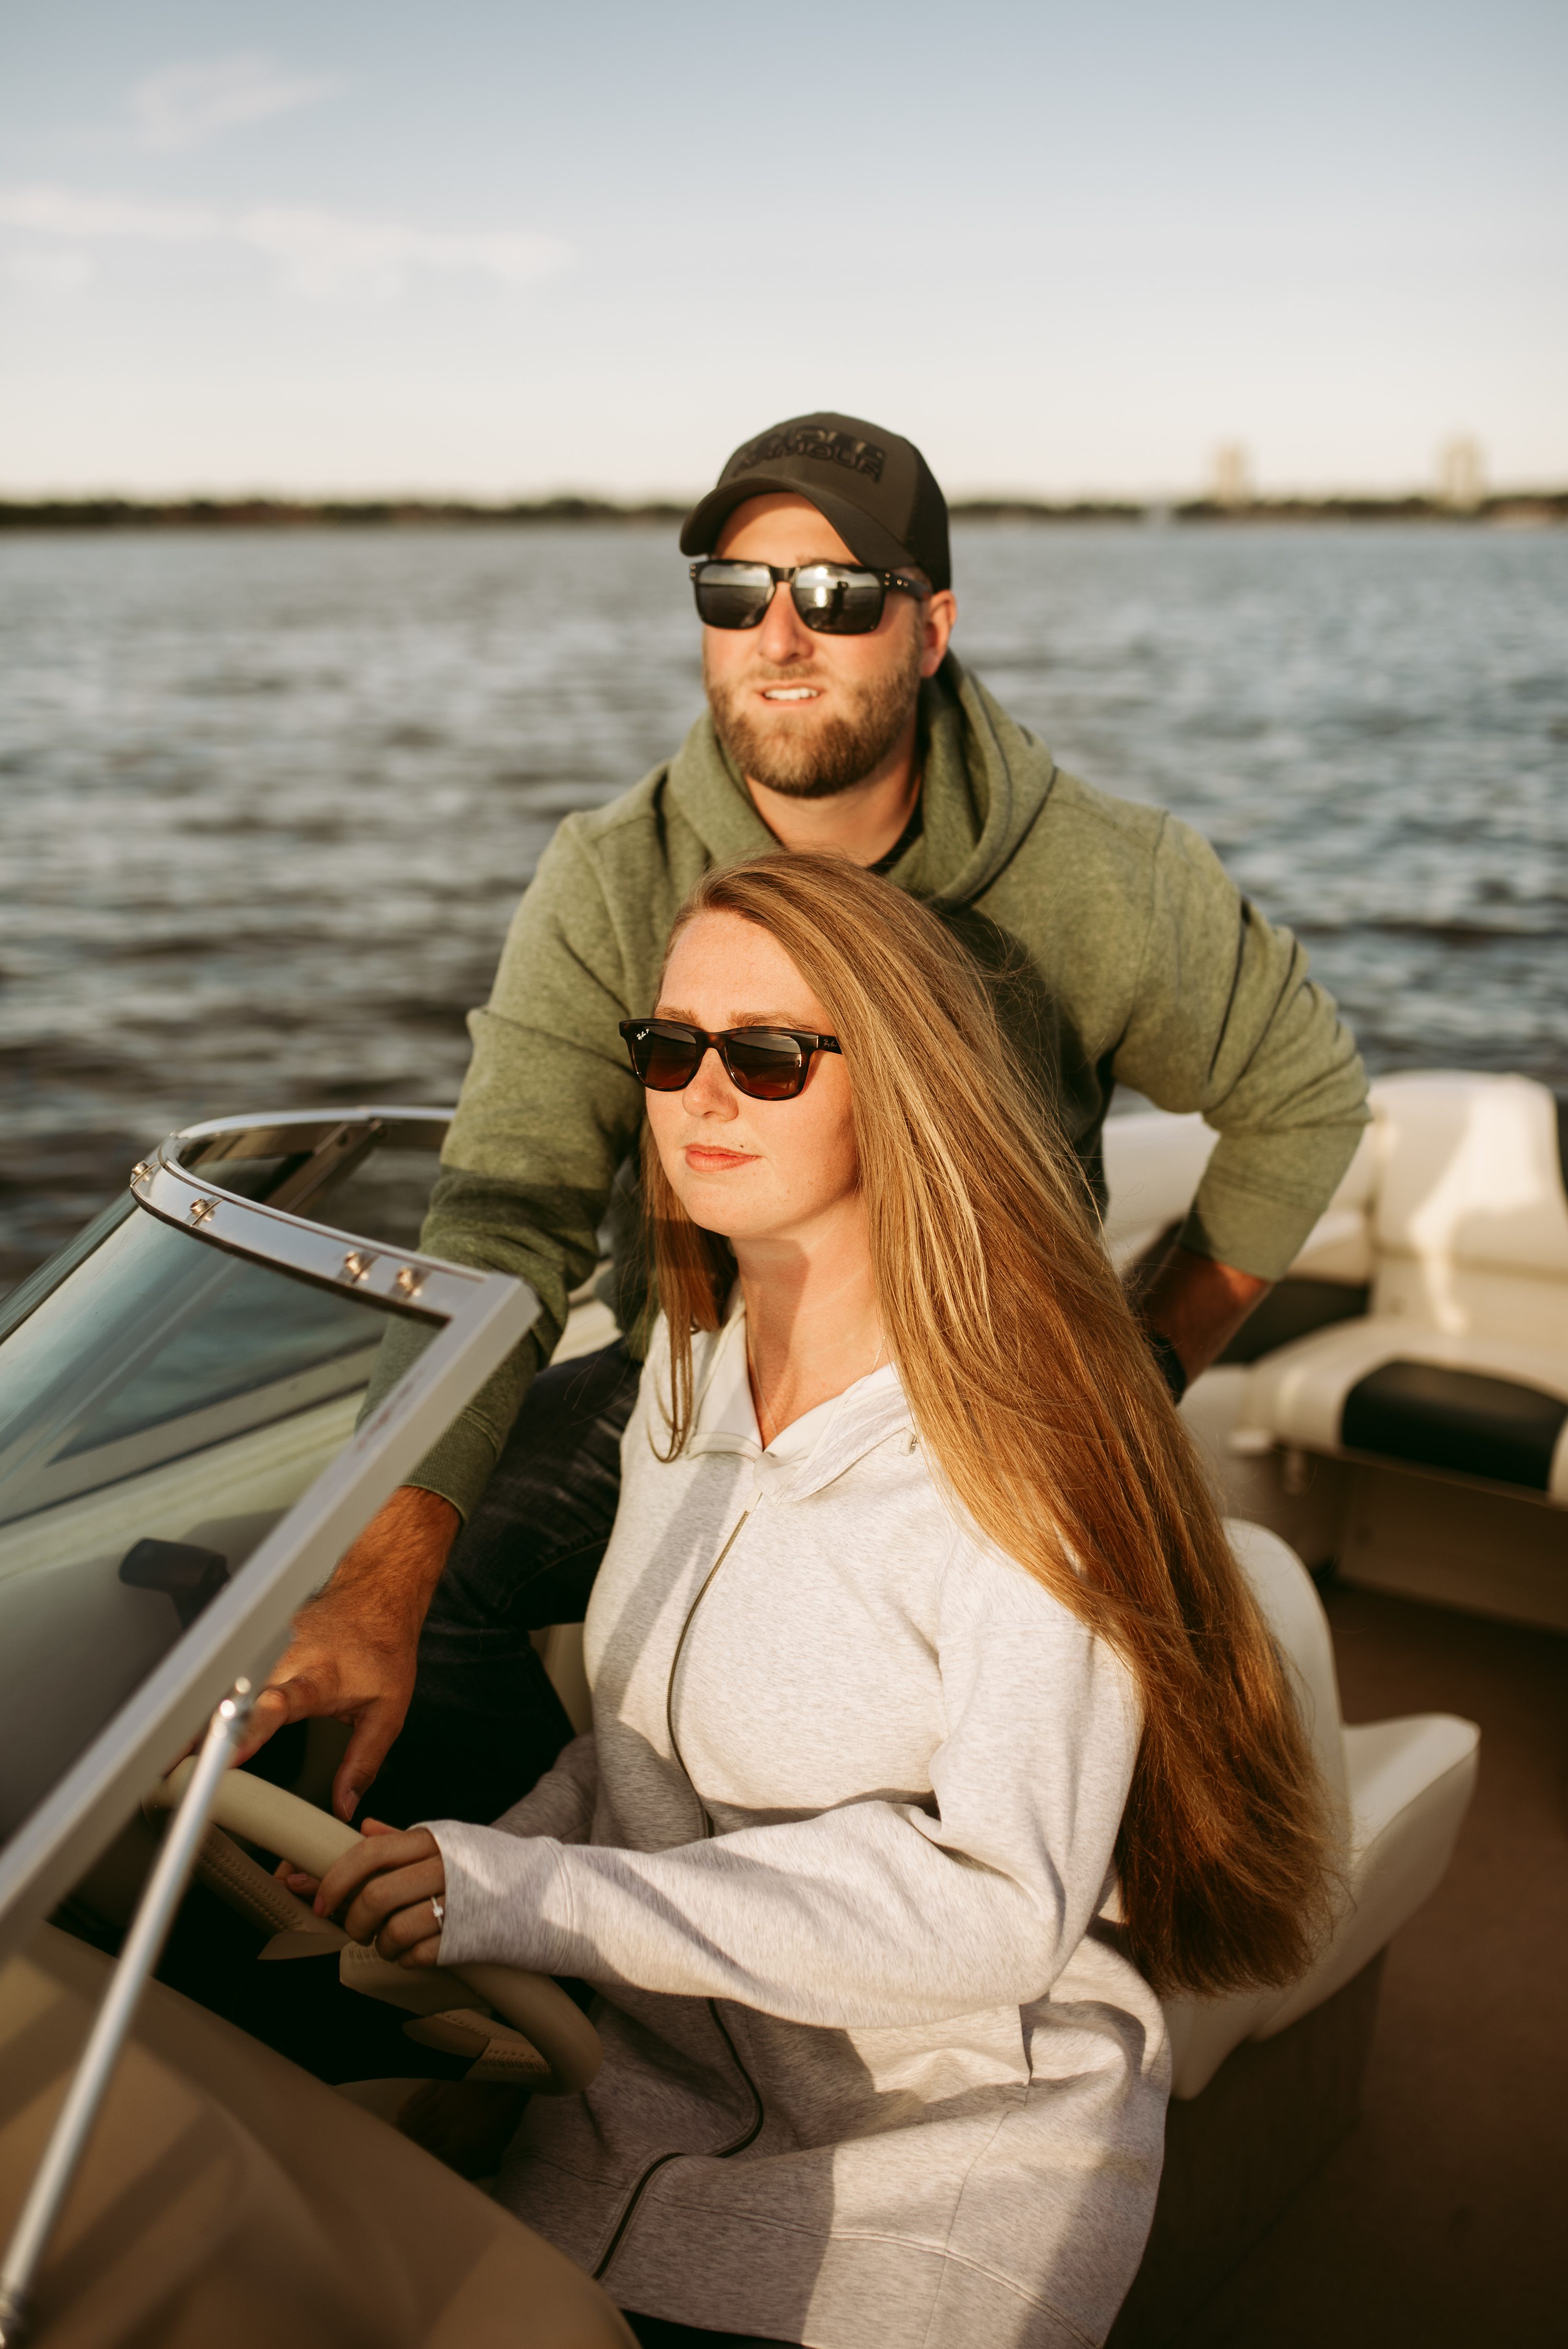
[1541,506]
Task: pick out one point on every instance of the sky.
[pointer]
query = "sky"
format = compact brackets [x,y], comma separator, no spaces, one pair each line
[500,250]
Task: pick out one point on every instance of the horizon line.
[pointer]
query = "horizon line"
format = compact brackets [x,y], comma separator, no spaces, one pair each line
[258,506]
[503,504]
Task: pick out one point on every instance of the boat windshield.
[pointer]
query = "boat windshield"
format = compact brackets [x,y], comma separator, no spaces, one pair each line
[161,1408]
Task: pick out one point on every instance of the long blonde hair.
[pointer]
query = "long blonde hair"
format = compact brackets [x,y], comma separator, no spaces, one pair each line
[1036,1398]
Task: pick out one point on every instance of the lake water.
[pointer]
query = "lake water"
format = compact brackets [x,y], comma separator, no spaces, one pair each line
[269,798]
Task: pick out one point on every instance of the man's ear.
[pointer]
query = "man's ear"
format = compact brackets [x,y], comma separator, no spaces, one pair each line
[936,617]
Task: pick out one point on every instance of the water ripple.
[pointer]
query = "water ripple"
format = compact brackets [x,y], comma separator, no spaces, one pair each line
[270,798]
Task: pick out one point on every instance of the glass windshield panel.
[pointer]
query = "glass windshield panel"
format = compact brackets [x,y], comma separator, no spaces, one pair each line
[383,1197]
[160,1410]
[379,1193]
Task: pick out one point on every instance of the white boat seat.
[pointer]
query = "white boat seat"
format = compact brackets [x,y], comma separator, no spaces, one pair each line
[1461,1365]
[1153,1164]
[1405,1787]
[1463,1404]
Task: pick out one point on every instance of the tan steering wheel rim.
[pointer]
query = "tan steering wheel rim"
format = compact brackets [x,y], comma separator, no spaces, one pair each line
[280,1821]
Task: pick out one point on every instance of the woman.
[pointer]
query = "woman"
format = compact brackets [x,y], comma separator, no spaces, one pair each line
[935,1733]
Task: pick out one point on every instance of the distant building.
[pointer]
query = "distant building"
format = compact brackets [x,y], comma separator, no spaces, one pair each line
[1233,479]
[1461,477]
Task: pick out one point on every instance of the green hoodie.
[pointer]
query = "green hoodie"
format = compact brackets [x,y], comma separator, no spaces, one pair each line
[1119,949]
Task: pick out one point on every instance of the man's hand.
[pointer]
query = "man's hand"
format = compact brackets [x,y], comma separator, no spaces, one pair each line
[353,1650]
[387,1885]
[1199,1305]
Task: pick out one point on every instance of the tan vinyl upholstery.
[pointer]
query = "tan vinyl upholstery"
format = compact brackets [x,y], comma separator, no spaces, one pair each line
[228,2197]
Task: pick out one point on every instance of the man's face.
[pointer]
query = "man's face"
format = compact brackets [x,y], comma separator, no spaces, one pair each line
[811,715]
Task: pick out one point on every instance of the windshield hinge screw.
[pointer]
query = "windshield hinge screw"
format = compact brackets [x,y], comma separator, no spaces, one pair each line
[140,1171]
[199,1209]
[409,1283]
[356,1263]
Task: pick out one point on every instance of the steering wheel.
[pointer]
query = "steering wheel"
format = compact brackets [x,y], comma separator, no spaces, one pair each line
[280,1821]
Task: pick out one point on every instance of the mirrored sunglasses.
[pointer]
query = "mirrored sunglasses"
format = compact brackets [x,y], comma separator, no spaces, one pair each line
[834,599]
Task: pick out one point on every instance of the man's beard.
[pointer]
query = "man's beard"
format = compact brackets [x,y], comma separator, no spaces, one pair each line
[821,757]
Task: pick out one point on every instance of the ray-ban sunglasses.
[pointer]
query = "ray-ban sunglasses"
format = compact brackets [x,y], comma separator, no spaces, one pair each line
[768,1063]
[835,599]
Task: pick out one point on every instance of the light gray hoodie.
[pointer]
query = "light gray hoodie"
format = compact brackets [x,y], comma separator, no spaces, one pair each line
[838,1853]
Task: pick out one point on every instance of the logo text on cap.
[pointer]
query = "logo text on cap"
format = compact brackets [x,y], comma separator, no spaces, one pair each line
[812,440]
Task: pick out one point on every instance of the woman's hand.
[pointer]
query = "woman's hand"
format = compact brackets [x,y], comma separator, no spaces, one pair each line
[385,1887]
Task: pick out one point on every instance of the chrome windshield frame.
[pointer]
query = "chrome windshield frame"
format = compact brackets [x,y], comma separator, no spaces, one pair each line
[477,1320]
[189,1196]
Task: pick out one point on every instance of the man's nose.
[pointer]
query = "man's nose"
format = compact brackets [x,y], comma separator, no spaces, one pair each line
[710,1093]
[782,637]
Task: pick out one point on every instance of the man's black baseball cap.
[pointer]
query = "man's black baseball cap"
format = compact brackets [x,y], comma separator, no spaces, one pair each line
[875,487]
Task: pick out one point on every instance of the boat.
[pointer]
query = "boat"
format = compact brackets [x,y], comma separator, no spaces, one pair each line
[180,1465]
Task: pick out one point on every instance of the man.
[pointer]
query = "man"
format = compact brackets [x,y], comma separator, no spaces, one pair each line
[1119,949]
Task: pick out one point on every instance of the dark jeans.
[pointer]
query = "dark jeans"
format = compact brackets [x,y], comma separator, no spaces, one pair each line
[485,1721]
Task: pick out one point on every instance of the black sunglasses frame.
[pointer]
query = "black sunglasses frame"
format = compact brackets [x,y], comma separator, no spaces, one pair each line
[822,620]
[723,1040]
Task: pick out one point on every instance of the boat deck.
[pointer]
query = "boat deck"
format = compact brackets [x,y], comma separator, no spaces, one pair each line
[1440,2220]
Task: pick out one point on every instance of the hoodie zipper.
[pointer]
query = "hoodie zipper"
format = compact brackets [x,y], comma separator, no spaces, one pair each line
[757,2115]
[734,1536]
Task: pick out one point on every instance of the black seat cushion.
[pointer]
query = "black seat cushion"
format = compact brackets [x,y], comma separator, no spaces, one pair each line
[1456,1420]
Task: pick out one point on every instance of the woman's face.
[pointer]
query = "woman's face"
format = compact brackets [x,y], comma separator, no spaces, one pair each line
[752,1170]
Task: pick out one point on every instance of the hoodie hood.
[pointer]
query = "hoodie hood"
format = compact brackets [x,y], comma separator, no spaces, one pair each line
[814,1450]
[986,780]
